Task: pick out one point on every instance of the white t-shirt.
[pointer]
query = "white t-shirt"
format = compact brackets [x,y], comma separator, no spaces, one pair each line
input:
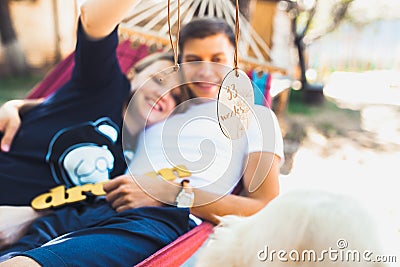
[194,139]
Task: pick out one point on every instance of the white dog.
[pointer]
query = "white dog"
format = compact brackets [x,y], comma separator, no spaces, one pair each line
[300,228]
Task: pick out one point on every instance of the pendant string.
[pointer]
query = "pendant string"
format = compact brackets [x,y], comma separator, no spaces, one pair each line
[174,47]
[237,30]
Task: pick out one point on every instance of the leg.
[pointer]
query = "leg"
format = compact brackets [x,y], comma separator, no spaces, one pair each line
[15,221]
[123,240]
[62,221]
[20,261]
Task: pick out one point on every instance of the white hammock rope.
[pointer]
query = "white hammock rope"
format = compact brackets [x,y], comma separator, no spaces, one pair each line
[148,22]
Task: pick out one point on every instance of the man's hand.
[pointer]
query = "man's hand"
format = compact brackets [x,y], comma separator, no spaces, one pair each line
[123,193]
[10,119]
[9,122]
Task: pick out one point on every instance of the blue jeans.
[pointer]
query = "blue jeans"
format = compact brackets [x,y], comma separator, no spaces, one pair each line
[95,235]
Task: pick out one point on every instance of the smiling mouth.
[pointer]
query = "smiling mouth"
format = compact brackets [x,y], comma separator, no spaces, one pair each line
[155,106]
[205,85]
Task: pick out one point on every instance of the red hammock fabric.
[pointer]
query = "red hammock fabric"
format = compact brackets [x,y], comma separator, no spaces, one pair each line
[182,248]
[127,56]
[177,252]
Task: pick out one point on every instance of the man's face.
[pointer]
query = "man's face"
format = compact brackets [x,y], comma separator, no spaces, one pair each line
[204,78]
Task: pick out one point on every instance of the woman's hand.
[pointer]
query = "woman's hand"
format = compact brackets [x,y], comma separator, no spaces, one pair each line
[123,193]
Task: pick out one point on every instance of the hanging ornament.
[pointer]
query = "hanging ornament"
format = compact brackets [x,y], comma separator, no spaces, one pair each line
[174,47]
[235,97]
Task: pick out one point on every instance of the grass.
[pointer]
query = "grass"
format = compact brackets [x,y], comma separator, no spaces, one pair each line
[327,117]
[297,105]
[13,87]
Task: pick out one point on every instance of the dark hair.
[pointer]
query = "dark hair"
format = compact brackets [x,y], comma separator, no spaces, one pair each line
[146,62]
[200,28]
[150,59]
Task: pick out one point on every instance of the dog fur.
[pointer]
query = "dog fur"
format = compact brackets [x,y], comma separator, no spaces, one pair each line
[298,220]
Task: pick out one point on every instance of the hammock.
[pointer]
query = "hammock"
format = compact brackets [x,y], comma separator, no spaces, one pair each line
[127,57]
[148,22]
[180,250]
[177,252]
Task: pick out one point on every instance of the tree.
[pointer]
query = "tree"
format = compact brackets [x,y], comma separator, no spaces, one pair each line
[15,57]
[302,14]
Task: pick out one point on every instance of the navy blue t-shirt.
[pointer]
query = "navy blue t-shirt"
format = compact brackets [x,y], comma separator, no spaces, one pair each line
[74,137]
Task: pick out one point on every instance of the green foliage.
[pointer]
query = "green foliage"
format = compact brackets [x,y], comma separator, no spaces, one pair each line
[297,105]
[327,118]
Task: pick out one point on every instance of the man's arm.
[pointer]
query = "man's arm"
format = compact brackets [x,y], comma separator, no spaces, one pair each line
[99,18]
[96,63]
[10,120]
[260,186]
[260,181]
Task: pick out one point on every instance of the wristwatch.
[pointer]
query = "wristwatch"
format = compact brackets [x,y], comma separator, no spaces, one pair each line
[185,197]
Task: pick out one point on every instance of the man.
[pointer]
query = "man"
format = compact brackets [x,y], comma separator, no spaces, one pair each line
[209,41]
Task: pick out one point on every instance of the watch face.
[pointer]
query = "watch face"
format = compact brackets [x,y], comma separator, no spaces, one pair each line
[184,200]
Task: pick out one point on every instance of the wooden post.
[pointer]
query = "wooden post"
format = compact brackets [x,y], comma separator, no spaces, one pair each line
[262,17]
[15,56]
[57,44]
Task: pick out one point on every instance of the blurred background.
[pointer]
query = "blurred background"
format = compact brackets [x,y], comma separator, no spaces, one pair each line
[335,81]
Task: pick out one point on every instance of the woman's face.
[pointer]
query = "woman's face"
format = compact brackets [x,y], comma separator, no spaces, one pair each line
[204,78]
[153,100]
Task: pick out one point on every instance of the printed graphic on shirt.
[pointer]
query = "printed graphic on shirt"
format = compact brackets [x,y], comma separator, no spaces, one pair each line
[84,153]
